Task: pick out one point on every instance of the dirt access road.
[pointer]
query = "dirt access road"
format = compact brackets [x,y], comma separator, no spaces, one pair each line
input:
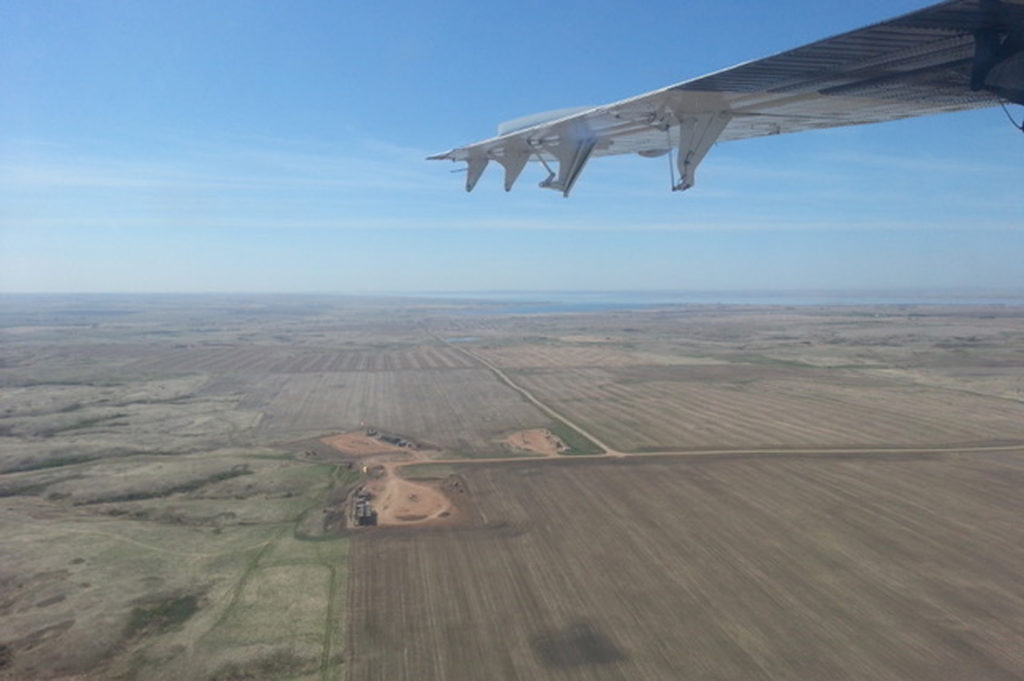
[503,377]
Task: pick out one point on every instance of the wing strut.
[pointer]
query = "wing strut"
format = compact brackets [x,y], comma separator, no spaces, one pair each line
[572,155]
[475,167]
[696,135]
[513,160]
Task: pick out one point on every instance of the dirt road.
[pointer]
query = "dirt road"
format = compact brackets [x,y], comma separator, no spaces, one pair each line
[503,377]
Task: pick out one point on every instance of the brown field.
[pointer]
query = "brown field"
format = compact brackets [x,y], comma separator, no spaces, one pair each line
[730,406]
[278,360]
[171,506]
[459,410]
[578,353]
[747,567]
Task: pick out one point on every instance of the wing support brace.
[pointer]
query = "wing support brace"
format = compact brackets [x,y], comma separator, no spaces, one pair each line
[571,148]
[572,153]
[513,160]
[697,133]
[475,166]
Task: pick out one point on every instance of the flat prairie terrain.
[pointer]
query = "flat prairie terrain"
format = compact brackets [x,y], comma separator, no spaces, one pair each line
[731,378]
[459,410]
[746,567]
[688,491]
[651,408]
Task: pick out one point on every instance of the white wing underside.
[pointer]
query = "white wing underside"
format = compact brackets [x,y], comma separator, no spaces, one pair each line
[935,60]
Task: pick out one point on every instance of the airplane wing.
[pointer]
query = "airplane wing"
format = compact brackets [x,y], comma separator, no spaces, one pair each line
[952,56]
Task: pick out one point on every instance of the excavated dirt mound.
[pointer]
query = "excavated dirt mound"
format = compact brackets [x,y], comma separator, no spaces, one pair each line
[536,440]
[400,502]
[359,443]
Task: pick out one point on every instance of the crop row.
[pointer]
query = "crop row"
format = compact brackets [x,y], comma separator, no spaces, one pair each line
[795,567]
[655,414]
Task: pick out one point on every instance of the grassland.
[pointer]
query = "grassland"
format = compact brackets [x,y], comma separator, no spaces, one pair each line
[168,509]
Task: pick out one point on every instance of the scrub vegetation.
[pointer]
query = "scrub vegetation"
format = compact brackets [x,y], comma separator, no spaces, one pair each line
[795,493]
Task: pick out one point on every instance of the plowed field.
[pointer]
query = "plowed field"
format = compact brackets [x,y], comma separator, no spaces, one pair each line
[768,567]
[284,360]
[460,410]
[729,406]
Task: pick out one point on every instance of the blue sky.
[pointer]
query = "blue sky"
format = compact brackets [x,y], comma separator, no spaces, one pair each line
[259,146]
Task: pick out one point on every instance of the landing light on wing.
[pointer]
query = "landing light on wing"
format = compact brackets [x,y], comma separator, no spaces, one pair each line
[952,56]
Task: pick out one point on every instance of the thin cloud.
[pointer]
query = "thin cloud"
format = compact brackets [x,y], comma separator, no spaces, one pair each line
[270,183]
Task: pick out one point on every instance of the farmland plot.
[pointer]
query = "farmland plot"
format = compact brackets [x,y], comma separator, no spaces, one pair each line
[565,356]
[287,360]
[460,410]
[758,567]
[664,408]
[155,527]
[433,394]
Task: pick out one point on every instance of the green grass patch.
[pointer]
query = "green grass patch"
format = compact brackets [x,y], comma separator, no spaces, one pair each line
[84,423]
[428,470]
[188,486]
[345,477]
[278,664]
[164,615]
[494,453]
[23,488]
[764,360]
[53,462]
[575,441]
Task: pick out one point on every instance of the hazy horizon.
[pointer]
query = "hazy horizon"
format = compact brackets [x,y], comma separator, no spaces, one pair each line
[548,300]
[259,147]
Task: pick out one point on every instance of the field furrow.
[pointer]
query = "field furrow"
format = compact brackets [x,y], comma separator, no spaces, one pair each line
[657,414]
[759,567]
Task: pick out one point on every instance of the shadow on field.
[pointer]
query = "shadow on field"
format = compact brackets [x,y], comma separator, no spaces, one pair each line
[576,645]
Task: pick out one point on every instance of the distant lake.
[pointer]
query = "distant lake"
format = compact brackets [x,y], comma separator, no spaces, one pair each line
[554,302]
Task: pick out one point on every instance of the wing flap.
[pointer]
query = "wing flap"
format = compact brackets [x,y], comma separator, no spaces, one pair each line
[935,60]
